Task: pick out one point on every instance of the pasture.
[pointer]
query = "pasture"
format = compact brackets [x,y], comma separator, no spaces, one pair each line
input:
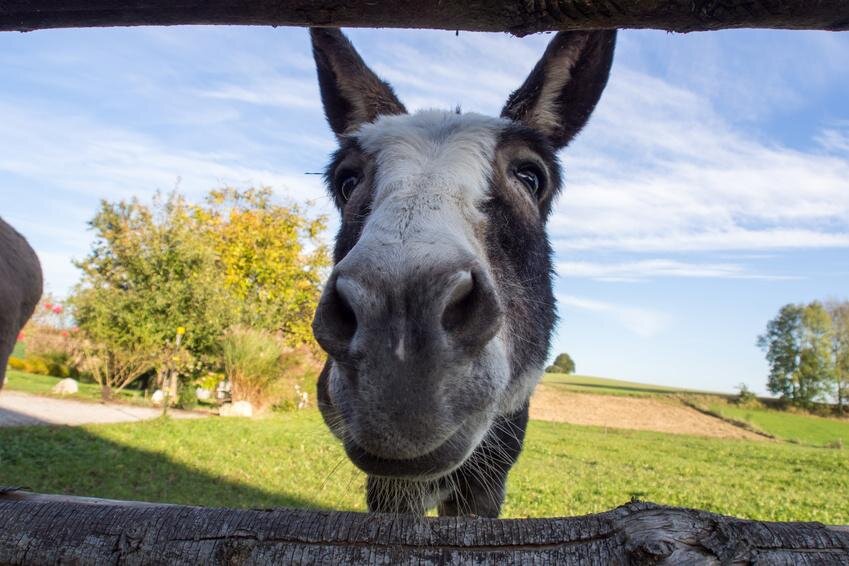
[608,386]
[798,428]
[42,385]
[290,459]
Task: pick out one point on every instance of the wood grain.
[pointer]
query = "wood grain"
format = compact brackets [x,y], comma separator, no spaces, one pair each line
[47,529]
[517,17]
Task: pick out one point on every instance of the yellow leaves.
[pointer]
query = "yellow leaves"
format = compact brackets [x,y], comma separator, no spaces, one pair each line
[261,247]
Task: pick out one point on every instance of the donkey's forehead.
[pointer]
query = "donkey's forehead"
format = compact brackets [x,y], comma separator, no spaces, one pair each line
[430,127]
[434,144]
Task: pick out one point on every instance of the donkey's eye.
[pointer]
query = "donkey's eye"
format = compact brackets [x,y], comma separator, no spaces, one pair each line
[347,181]
[531,176]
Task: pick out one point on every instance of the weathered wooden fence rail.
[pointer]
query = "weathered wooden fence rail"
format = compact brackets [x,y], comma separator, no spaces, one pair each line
[45,529]
[519,17]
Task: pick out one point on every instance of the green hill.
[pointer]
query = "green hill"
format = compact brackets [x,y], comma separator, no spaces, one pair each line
[588,384]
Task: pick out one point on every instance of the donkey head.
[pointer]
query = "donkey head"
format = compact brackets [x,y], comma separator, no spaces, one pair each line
[439,310]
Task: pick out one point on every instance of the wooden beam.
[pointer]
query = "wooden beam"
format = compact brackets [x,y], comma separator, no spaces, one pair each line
[517,17]
[48,529]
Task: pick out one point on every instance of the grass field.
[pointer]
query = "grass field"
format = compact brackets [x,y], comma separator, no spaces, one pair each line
[19,351]
[793,427]
[42,384]
[291,460]
[607,386]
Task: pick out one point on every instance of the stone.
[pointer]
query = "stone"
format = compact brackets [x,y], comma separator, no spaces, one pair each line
[67,386]
[158,397]
[236,409]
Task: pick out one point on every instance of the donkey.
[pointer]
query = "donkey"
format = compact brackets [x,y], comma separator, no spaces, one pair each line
[438,313]
[20,289]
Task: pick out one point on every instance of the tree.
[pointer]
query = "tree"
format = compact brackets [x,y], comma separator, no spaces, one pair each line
[204,268]
[800,350]
[270,257]
[563,363]
[782,344]
[150,271]
[815,362]
[839,314]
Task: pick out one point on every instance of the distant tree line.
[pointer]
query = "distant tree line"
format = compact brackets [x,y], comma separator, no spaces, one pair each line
[807,348]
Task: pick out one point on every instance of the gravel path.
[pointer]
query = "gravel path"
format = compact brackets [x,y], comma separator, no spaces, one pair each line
[19,409]
[640,413]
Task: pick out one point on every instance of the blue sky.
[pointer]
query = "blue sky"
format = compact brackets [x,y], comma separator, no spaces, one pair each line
[710,187]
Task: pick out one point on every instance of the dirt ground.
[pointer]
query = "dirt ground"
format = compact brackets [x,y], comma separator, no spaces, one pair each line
[640,413]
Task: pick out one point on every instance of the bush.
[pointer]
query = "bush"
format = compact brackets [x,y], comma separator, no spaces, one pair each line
[36,365]
[562,364]
[264,371]
[746,397]
[17,364]
[187,398]
[252,364]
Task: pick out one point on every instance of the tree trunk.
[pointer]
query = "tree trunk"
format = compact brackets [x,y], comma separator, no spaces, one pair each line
[519,18]
[41,529]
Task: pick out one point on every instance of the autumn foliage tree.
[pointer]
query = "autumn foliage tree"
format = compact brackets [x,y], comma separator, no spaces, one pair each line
[270,259]
[237,258]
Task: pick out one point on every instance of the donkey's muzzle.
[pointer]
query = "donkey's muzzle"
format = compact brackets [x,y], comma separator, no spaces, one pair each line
[444,312]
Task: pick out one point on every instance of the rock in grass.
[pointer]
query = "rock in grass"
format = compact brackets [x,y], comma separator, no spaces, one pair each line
[67,386]
[236,409]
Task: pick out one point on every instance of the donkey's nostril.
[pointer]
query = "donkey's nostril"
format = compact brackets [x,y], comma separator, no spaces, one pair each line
[472,311]
[460,289]
[335,320]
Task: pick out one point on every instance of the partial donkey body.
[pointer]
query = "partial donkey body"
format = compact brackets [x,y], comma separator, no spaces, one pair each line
[20,289]
[438,314]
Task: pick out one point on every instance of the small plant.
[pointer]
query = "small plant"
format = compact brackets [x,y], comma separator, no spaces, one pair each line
[252,364]
[746,397]
[264,371]
[187,398]
[836,444]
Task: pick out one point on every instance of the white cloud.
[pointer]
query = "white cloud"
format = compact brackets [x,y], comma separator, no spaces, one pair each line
[653,268]
[659,170]
[109,162]
[644,322]
[282,91]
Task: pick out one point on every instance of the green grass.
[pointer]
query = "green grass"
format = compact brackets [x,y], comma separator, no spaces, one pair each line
[19,351]
[606,386]
[42,384]
[291,460]
[794,427]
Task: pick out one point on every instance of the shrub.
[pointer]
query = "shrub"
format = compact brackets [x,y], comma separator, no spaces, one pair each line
[187,398]
[17,364]
[252,364]
[264,371]
[746,397]
[36,365]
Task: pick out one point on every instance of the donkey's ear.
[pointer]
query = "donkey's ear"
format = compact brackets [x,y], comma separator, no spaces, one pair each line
[561,92]
[351,93]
